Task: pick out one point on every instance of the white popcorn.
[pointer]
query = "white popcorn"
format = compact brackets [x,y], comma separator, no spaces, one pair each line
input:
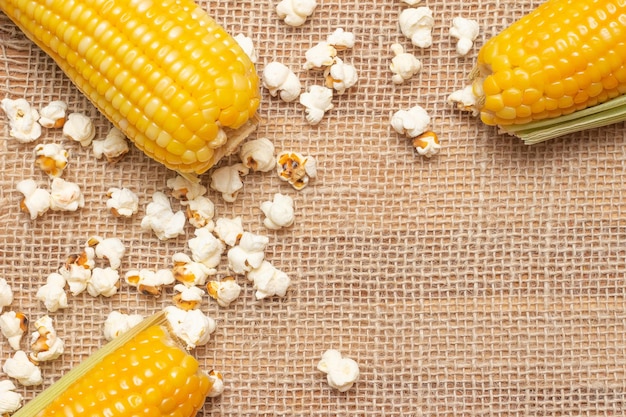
[229,230]
[217,384]
[52,293]
[320,56]
[23,118]
[317,101]
[6,294]
[118,323]
[248,46]
[268,281]
[258,154]
[45,343]
[149,282]
[10,401]
[341,39]
[52,158]
[280,80]
[248,253]
[295,12]
[189,272]
[279,212]
[412,122]
[79,128]
[296,169]
[412,2]
[65,195]
[341,372]
[13,325]
[193,327]
[206,248]
[340,76]
[191,294]
[225,291]
[227,180]
[22,369]
[466,31]
[104,281]
[200,212]
[417,24]
[465,100]
[122,202]
[77,271]
[53,115]
[111,249]
[403,65]
[183,189]
[36,200]
[427,144]
[161,219]
[113,147]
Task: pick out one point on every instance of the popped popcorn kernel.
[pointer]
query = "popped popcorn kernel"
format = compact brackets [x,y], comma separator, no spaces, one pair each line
[79,128]
[193,327]
[268,281]
[6,294]
[187,298]
[296,169]
[104,282]
[281,81]
[465,100]
[248,253]
[112,249]
[149,282]
[279,212]
[22,369]
[51,158]
[118,323]
[412,122]
[189,272]
[36,200]
[229,230]
[465,31]
[295,12]
[341,372]
[258,155]
[341,39]
[225,291]
[317,101]
[161,219]
[53,115]
[183,189]
[13,325]
[65,195]
[122,202]
[340,76]
[200,212]
[320,56]
[23,119]
[247,45]
[417,25]
[77,270]
[217,384]
[228,180]
[113,147]
[427,144]
[45,344]
[403,65]
[10,400]
[206,248]
[52,293]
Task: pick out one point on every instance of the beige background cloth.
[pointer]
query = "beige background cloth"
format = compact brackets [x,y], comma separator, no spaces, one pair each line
[486,281]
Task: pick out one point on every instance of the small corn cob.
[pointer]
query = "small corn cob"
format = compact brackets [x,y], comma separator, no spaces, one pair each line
[162,71]
[143,372]
[548,73]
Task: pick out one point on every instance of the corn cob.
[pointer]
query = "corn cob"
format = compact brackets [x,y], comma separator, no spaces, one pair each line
[141,373]
[549,73]
[162,71]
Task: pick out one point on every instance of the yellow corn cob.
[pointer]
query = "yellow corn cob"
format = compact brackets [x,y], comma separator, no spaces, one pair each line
[141,373]
[162,71]
[564,57]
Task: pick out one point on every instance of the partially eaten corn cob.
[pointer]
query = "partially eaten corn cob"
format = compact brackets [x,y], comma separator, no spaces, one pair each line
[557,70]
[143,372]
[162,71]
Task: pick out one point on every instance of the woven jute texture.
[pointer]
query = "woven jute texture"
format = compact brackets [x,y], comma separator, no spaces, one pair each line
[487,280]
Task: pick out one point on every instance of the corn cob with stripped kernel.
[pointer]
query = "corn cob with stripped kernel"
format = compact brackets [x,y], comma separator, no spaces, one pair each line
[162,71]
[143,372]
[558,70]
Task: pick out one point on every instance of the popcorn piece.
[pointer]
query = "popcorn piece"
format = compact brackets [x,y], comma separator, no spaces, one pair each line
[13,325]
[340,76]
[320,56]
[403,65]
[184,189]
[65,195]
[104,281]
[268,281]
[295,12]
[466,31]
[22,369]
[189,272]
[248,254]
[341,40]
[149,282]
[113,147]
[200,212]
[193,327]
[10,401]
[412,2]
[258,154]
[427,144]
[79,128]
[51,158]
[279,213]
[412,122]
[53,115]
[317,101]
[341,372]
[45,343]
[229,231]
[122,202]
[52,294]
[296,169]
[225,291]
[77,270]
[417,24]
[465,100]
[6,294]
[23,118]
[187,298]
[227,180]
[248,46]
[206,248]
[161,219]
[111,249]
[118,323]
[217,384]
[280,80]
[36,200]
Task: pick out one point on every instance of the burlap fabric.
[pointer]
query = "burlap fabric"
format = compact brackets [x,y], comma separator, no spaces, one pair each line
[486,281]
